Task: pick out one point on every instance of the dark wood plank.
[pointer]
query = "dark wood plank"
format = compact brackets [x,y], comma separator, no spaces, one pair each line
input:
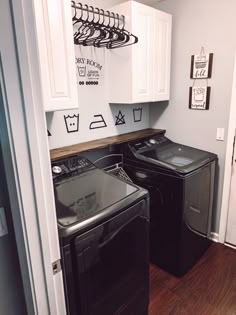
[194,305]
[209,288]
[163,302]
[71,150]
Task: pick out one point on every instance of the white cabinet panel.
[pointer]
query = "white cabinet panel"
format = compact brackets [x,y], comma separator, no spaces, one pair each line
[143,23]
[56,54]
[141,72]
[162,53]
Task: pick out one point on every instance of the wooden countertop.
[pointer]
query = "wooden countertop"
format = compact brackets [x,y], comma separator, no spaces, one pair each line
[71,150]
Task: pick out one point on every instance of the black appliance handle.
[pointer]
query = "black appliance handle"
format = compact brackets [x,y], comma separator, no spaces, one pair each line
[157,162]
[112,227]
[116,230]
[204,162]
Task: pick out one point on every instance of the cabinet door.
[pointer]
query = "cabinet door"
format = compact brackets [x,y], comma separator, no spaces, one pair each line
[56,54]
[162,56]
[143,26]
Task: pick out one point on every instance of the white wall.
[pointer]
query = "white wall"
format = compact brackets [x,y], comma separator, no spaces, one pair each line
[212,24]
[93,100]
[11,289]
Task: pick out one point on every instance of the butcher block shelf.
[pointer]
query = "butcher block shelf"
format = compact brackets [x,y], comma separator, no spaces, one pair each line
[71,150]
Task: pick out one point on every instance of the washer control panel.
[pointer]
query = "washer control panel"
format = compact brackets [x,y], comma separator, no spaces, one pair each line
[71,166]
[152,141]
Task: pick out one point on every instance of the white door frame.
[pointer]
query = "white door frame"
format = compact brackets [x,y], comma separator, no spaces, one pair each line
[27,161]
[228,161]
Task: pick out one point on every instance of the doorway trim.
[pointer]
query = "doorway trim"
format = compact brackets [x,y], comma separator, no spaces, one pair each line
[228,162]
[27,161]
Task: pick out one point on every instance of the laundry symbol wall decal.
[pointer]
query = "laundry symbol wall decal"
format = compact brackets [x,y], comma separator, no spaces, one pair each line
[120,119]
[137,112]
[72,123]
[82,71]
[98,123]
[49,133]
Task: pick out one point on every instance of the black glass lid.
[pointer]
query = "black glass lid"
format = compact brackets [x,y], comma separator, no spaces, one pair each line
[177,155]
[83,196]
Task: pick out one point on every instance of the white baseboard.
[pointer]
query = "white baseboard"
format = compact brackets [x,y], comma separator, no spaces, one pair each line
[229,245]
[215,237]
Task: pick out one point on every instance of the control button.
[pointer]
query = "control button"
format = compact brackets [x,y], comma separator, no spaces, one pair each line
[152,141]
[56,169]
[148,144]
[64,169]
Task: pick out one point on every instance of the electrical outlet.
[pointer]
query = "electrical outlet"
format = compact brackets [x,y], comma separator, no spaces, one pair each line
[3,222]
[220,134]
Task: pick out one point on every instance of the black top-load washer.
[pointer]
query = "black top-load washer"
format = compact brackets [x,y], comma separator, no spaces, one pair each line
[103,227]
[180,180]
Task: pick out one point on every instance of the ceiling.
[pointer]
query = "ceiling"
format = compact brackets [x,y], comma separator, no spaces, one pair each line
[106,4]
[149,2]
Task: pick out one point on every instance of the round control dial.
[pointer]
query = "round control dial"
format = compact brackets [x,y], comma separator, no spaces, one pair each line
[56,169]
[152,141]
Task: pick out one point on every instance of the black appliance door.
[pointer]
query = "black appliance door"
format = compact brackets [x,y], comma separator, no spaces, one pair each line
[198,199]
[178,157]
[166,213]
[180,214]
[112,265]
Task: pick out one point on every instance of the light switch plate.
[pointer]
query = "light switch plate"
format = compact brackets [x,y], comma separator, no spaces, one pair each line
[3,223]
[220,134]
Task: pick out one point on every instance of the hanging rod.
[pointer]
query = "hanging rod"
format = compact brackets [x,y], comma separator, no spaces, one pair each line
[113,16]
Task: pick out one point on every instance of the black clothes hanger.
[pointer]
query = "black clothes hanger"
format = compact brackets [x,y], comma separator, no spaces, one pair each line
[97,32]
[120,37]
[97,29]
[84,28]
[75,19]
[109,33]
[106,31]
[103,30]
[130,39]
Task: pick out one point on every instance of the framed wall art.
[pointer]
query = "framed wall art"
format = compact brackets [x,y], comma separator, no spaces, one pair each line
[199,97]
[201,66]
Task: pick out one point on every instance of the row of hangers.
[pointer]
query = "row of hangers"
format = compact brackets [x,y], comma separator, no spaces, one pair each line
[99,28]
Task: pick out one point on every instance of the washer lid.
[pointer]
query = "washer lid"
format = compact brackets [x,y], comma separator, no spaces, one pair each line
[178,157]
[83,196]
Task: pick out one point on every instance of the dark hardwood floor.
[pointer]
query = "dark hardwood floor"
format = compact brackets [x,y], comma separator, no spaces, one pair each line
[209,288]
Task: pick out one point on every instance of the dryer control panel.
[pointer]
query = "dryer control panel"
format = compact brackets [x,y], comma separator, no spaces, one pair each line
[149,143]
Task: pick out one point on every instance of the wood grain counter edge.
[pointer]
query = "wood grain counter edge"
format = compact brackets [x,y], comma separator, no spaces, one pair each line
[71,150]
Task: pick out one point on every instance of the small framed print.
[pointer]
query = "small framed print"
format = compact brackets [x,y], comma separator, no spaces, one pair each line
[199,98]
[201,66]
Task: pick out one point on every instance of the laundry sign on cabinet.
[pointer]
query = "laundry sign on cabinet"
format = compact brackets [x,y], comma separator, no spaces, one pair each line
[88,71]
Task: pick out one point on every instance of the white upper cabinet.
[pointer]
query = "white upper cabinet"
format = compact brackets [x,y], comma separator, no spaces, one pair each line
[141,72]
[142,52]
[162,56]
[56,54]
